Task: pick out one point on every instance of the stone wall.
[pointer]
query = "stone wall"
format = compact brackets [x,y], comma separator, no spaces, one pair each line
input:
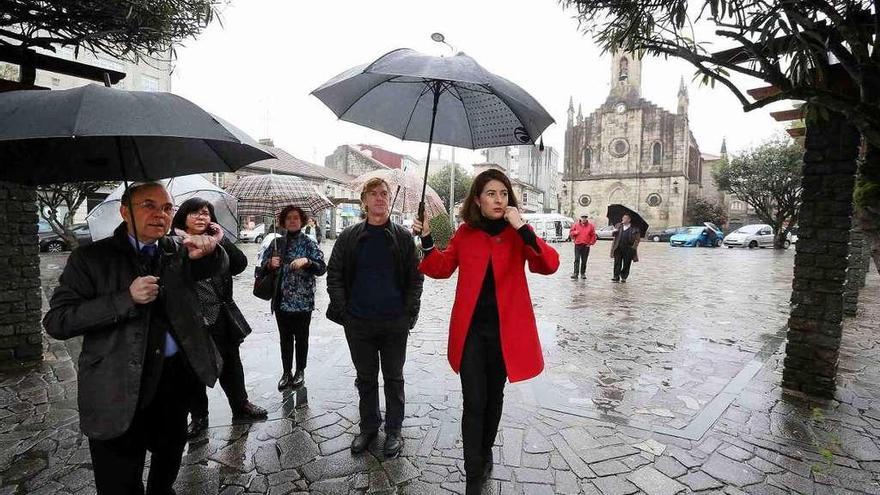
[351,161]
[855,272]
[814,327]
[20,300]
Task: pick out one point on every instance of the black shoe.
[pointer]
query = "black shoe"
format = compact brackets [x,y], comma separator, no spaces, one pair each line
[249,411]
[198,425]
[473,486]
[623,280]
[299,378]
[615,280]
[286,381]
[393,444]
[362,442]
[574,276]
[583,276]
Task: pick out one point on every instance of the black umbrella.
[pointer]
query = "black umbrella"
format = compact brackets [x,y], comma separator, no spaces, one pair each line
[447,100]
[615,215]
[96,133]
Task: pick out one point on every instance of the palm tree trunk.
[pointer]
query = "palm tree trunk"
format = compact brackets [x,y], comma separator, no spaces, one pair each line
[867,201]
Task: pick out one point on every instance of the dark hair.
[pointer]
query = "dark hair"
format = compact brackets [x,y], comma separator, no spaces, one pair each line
[303,218]
[470,211]
[189,206]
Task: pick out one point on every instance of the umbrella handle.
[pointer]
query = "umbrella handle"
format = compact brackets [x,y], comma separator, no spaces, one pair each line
[421,213]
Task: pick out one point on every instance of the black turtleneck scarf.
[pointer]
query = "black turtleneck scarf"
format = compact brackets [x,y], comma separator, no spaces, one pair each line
[485,318]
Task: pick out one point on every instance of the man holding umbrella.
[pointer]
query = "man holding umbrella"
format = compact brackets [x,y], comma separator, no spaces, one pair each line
[624,247]
[144,350]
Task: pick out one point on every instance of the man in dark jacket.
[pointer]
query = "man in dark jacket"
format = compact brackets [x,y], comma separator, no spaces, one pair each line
[375,289]
[624,247]
[132,298]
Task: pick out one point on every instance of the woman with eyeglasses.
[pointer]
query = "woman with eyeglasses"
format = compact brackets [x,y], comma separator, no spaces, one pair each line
[493,335]
[196,216]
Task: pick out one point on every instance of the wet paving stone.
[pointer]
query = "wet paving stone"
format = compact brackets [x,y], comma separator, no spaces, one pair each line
[628,402]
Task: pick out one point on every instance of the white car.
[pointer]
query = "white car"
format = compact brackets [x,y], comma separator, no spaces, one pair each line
[256,234]
[751,236]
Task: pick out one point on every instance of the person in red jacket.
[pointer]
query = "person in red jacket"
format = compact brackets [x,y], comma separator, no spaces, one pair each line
[584,235]
[492,331]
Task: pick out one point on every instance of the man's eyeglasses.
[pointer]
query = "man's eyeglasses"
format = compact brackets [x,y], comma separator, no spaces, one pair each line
[167,208]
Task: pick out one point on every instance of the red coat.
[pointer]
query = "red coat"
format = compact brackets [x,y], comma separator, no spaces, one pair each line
[470,250]
[583,234]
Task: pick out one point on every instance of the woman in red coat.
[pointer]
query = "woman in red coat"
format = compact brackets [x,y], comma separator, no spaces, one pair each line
[492,331]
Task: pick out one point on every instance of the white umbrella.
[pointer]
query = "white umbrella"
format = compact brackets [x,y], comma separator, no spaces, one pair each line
[104,218]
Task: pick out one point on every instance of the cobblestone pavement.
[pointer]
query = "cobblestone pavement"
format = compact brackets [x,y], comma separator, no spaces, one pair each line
[667,384]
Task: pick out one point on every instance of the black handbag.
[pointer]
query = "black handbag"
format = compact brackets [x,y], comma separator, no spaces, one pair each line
[264,284]
[237,324]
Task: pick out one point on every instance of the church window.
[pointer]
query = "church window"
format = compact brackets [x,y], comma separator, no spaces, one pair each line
[588,158]
[624,70]
[585,200]
[619,147]
[654,199]
[657,153]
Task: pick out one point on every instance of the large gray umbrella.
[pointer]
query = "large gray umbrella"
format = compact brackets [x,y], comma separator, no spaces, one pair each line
[447,100]
[95,133]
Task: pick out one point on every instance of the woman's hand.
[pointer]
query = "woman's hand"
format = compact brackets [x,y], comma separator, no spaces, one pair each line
[275,262]
[299,263]
[511,214]
[420,229]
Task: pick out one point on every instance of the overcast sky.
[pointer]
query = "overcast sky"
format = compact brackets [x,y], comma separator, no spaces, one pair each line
[257,68]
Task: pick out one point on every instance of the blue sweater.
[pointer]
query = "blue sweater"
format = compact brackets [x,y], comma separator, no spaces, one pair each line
[375,292]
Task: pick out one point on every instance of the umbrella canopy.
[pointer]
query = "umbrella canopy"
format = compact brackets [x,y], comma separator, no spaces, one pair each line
[104,218]
[406,187]
[474,108]
[267,195]
[95,133]
[615,214]
[448,100]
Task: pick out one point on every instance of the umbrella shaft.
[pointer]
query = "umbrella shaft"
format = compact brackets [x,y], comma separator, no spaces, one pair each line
[437,86]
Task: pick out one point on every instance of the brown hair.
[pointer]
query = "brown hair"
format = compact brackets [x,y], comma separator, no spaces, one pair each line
[369,186]
[470,211]
[282,217]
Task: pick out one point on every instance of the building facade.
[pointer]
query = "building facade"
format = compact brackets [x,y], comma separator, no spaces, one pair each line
[536,170]
[630,151]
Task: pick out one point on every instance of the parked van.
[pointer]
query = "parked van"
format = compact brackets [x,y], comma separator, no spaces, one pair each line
[552,227]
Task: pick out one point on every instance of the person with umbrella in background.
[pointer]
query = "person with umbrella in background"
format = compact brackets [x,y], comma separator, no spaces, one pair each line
[624,247]
[144,350]
[375,293]
[493,335]
[299,260]
[195,217]
[584,235]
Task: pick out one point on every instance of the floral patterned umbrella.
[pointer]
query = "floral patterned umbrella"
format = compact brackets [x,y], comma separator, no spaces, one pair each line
[406,190]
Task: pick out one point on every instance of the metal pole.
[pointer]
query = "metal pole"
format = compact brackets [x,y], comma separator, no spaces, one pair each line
[452,191]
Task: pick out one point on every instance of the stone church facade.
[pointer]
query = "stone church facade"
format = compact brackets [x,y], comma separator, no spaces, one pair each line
[630,151]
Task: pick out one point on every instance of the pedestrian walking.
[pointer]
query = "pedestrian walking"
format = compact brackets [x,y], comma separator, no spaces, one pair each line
[144,349]
[583,233]
[195,217]
[375,289]
[297,261]
[624,247]
[492,331]
[310,230]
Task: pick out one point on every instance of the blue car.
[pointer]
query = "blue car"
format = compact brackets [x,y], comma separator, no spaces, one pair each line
[706,235]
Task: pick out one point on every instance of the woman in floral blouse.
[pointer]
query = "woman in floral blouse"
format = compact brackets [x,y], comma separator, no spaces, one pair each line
[299,260]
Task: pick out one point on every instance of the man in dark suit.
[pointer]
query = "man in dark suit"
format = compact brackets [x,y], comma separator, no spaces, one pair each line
[133,297]
[624,247]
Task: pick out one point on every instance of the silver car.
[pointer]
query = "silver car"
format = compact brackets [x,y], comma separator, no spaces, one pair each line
[750,236]
[605,233]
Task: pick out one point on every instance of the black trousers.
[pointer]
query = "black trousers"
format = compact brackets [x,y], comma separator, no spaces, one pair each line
[160,427]
[623,257]
[374,344]
[293,328]
[231,376]
[581,253]
[482,385]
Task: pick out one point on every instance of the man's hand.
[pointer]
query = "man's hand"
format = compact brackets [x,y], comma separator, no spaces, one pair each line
[511,214]
[299,263]
[421,229]
[144,290]
[200,246]
[274,263]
